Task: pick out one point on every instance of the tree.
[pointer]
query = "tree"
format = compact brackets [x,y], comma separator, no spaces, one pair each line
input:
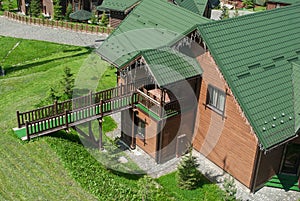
[94,18]
[104,19]
[188,176]
[57,10]
[230,189]
[10,5]
[225,13]
[35,8]
[68,11]
[249,3]
[68,84]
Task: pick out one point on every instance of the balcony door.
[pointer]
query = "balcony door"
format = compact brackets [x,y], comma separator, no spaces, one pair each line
[291,160]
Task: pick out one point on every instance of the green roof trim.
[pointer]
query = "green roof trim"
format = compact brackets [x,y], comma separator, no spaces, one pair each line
[168,65]
[196,6]
[296,84]
[254,54]
[117,5]
[151,25]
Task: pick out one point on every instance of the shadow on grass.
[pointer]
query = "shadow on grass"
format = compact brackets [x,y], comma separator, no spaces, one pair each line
[26,66]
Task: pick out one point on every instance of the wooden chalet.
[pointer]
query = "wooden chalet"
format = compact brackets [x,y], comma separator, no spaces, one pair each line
[200,7]
[271,4]
[245,115]
[47,6]
[117,9]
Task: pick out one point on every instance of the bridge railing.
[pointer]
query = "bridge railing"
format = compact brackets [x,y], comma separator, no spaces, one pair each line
[58,108]
[77,116]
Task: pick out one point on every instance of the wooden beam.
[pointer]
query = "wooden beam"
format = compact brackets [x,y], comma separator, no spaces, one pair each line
[100,145]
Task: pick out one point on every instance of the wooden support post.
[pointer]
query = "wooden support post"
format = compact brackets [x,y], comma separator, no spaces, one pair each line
[27,130]
[55,107]
[132,145]
[18,118]
[100,134]
[67,121]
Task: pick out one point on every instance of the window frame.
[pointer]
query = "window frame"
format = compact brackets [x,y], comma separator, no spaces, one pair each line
[141,126]
[212,90]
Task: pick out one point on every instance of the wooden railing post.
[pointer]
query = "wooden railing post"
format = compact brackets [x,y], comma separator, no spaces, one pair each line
[55,108]
[27,130]
[66,119]
[18,119]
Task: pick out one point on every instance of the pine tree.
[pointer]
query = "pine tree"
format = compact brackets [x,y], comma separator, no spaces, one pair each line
[57,10]
[104,19]
[67,83]
[68,11]
[188,176]
[35,8]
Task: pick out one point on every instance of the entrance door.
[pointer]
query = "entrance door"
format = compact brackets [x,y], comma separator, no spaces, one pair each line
[291,159]
[182,145]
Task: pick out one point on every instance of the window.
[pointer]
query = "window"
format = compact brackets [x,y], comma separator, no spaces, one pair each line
[216,99]
[141,125]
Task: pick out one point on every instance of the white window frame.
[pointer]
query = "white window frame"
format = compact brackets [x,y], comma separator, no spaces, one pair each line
[216,99]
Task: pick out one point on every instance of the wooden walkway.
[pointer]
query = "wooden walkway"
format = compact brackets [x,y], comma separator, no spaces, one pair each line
[94,106]
[67,114]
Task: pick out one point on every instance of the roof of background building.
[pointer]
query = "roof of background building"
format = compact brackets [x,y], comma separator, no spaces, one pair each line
[284,1]
[168,65]
[117,5]
[152,24]
[196,6]
[255,54]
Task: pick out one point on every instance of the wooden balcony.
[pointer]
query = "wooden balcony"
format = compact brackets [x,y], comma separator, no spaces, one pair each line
[159,104]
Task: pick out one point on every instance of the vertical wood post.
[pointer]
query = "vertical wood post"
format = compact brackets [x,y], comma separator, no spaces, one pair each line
[55,107]
[66,119]
[27,130]
[100,134]
[18,118]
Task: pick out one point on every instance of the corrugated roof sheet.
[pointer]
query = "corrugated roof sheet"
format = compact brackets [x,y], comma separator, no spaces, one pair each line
[254,54]
[152,24]
[117,5]
[196,6]
[168,65]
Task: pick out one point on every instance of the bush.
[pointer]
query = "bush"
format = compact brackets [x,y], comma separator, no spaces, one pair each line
[188,176]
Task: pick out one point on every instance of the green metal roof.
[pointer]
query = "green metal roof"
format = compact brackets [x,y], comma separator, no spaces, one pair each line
[284,1]
[152,24]
[81,15]
[117,5]
[196,6]
[168,65]
[254,53]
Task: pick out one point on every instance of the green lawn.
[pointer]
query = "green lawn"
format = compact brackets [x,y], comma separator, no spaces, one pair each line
[59,167]
[205,192]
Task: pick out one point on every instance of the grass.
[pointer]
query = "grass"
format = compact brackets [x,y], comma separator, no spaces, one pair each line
[33,171]
[205,192]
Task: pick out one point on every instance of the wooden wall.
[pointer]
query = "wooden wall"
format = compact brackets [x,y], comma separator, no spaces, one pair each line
[149,143]
[269,165]
[228,142]
[173,128]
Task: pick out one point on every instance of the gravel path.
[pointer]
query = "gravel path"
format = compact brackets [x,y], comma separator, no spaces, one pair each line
[17,29]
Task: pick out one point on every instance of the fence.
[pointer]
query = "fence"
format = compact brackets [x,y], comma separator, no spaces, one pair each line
[78,27]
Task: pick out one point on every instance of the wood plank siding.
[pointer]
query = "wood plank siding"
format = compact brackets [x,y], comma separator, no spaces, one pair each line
[148,144]
[227,141]
[175,128]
